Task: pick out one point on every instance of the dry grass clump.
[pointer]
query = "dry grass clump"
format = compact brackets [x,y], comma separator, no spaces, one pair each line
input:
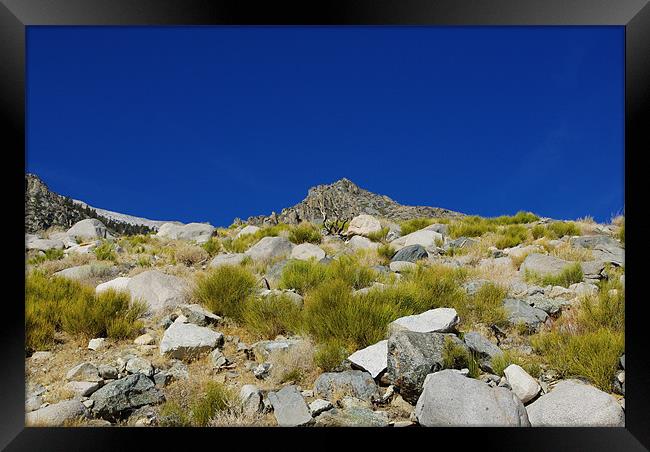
[458,357]
[190,255]
[386,253]
[556,230]
[48,255]
[212,246]
[296,364]
[72,260]
[567,252]
[198,406]
[415,224]
[59,304]
[241,244]
[225,289]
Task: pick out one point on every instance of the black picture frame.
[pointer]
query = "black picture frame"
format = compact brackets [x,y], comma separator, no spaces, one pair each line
[16,15]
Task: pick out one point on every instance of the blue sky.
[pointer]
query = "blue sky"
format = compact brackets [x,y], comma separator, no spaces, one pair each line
[211,123]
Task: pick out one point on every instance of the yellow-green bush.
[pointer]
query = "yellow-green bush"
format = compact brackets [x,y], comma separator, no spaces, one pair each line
[471,226]
[59,304]
[511,236]
[224,290]
[302,275]
[212,246]
[520,217]
[415,224]
[272,315]
[485,306]
[378,236]
[455,356]
[351,271]
[305,233]
[241,244]
[570,275]
[386,251]
[330,353]
[217,397]
[105,251]
[48,255]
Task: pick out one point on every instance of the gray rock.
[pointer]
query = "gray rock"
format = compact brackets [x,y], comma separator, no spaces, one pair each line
[119,284]
[354,383]
[199,232]
[544,265]
[178,371]
[363,225]
[82,388]
[522,384]
[460,242]
[43,244]
[450,399]
[247,230]
[56,415]
[139,365]
[411,253]
[289,408]
[439,228]
[401,266]
[107,372]
[251,399]
[270,248]
[262,371]
[218,359]
[552,307]
[87,271]
[145,339]
[519,311]
[352,417]
[96,344]
[622,361]
[439,320]
[162,379]
[227,259]
[412,356]
[187,341]
[275,271]
[83,372]
[89,229]
[306,251]
[158,290]
[33,403]
[198,315]
[483,348]
[471,287]
[573,403]
[361,243]
[293,296]
[318,406]
[264,349]
[372,359]
[424,237]
[591,241]
[120,398]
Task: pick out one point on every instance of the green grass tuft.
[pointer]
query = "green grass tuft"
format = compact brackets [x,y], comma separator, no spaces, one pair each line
[272,315]
[106,251]
[225,290]
[570,275]
[305,233]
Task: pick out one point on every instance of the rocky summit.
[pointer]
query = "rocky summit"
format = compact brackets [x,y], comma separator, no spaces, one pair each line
[347,309]
[344,200]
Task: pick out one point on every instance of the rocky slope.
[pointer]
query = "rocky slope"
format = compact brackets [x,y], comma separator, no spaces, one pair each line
[343,200]
[44,209]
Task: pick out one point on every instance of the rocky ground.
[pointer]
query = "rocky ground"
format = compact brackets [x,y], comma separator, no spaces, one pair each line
[484,357]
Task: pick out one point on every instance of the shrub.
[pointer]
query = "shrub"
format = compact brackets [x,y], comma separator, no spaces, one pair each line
[59,304]
[212,246]
[143,261]
[272,315]
[621,232]
[567,252]
[351,271]
[538,231]
[472,226]
[225,289]
[305,233]
[511,236]
[485,306]
[332,312]
[386,252]
[216,398]
[604,310]
[519,218]
[592,355]
[569,275]
[330,354]
[456,356]
[559,229]
[190,254]
[415,224]
[105,251]
[48,255]
[241,244]
[302,275]
[172,414]
[527,362]
[378,236]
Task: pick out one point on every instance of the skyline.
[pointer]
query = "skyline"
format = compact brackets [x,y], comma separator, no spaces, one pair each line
[211,123]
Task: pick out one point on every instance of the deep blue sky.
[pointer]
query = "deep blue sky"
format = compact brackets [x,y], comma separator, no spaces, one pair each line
[209,124]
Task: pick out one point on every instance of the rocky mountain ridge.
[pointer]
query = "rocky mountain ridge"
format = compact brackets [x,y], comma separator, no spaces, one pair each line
[343,200]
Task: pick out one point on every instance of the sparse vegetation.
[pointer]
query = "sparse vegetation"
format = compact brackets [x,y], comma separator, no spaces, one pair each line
[456,356]
[569,275]
[415,224]
[190,254]
[48,255]
[212,246]
[378,236]
[225,290]
[272,315]
[330,353]
[105,251]
[386,252]
[567,252]
[305,233]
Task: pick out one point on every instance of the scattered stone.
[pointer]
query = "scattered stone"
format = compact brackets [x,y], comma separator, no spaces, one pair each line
[361,243]
[86,271]
[217,358]
[82,388]
[576,404]
[450,399]
[120,283]
[262,371]
[139,365]
[264,349]
[424,237]
[145,339]
[247,230]
[483,348]
[41,356]
[199,232]
[56,415]
[293,296]
[519,311]
[158,290]
[474,286]
[354,383]
[622,361]
[522,384]
[187,341]
[440,320]
[319,406]
[460,242]
[83,372]
[551,307]
[352,402]
[33,403]
[88,403]
[96,344]
[544,265]
[89,229]
[352,417]
[107,372]
[364,225]
[411,253]
[372,359]
[270,248]
[120,398]
[412,356]
[162,379]
[306,251]
[289,408]
[197,314]
[227,259]
[251,399]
